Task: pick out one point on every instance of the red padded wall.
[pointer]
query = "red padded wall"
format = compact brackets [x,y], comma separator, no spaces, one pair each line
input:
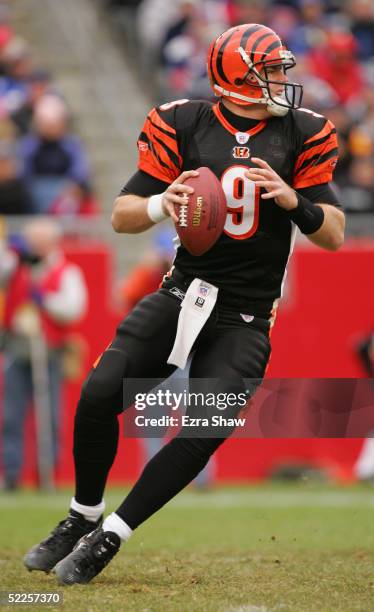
[328,301]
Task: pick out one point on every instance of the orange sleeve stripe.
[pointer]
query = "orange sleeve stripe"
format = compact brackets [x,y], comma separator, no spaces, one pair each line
[319,149]
[157,157]
[328,127]
[164,157]
[318,179]
[156,120]
[160,150]
[164,174]
[327,165]
[172,144]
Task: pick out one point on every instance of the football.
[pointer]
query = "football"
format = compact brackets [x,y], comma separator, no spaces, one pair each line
[202,218]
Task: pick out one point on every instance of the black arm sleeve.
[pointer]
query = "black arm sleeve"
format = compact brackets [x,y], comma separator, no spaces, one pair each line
[143,184]
[323,194]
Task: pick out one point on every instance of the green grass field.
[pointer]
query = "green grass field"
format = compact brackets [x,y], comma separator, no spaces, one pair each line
[253,549]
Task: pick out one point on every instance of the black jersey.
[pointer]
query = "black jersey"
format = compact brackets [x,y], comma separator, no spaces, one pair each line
[248,261]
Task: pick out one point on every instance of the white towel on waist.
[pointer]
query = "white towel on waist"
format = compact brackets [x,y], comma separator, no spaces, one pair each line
[195,311]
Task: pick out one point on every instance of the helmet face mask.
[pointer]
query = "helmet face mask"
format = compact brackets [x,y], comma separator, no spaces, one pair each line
[243,65]
[292,93]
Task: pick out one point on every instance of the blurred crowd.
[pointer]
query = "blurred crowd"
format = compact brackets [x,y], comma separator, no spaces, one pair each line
[333,41]
[43,164]
[44,295]
[44,172]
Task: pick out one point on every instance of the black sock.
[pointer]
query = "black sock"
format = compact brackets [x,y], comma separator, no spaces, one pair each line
[95,447]
[167,473]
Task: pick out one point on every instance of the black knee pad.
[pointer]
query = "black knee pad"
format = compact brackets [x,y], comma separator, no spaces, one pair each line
[104,382]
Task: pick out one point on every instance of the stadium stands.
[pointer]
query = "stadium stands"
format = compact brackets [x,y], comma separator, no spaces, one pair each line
[333,43]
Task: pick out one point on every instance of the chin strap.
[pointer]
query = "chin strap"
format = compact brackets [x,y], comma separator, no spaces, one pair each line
[275,109]
[231,94]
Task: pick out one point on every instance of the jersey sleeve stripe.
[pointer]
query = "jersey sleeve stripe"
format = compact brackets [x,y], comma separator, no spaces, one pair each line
[163,158]
[313,154]
[315,143]
[168,138]
[161,150]
[157,153]
[163,130]
[317,160]
[158,148]
[170,143]
[175,159]
[152,163]
[156,120]
[307,181]
[327,129]
[151,169]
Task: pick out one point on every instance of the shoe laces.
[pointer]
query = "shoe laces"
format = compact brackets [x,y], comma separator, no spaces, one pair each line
[104,546]
[63,529]
[102,549]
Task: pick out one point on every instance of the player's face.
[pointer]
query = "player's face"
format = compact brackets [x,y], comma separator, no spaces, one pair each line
[275,73]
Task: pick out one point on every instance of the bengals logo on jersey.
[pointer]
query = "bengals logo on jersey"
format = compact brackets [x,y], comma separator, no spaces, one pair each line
[142,146]
[241,152]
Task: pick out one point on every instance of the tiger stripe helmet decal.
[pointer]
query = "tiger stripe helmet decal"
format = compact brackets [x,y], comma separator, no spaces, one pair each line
[238,67]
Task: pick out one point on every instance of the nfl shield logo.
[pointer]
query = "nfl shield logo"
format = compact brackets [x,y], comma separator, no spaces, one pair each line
[242,137]
[203,289]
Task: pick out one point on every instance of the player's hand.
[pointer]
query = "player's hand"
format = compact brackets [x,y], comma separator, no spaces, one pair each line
[176,194]
[276,188]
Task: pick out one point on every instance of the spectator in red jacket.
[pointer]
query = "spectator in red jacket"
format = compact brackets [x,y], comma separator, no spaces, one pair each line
[45,294]
[336,62]
[76,199]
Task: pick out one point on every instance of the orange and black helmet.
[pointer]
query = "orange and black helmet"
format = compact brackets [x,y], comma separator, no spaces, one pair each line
[239,68]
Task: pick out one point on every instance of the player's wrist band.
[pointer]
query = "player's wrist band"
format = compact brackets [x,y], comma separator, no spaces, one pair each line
[307,216]
[154,208]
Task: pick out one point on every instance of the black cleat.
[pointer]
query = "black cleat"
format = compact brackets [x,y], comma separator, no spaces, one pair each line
[92,553]
[59,543]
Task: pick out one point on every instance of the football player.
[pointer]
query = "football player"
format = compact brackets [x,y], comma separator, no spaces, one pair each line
[275,161]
